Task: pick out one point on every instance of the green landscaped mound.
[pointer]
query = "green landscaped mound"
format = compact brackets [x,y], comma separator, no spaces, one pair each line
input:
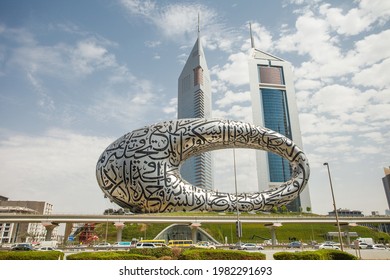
[252,233]
[314,255]
[31,255]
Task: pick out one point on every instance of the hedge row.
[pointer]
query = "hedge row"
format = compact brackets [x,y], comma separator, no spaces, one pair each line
[314,255]
[31,255]
[181,254]
[109,256]
[132,254]
[219,254]
[168,254]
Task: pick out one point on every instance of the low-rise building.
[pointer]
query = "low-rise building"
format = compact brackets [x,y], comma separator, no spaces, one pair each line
[24,232]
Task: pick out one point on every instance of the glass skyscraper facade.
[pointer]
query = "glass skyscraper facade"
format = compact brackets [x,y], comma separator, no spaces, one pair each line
[274,107]
[276,118]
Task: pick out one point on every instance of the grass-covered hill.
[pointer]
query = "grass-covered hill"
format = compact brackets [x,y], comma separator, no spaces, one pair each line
[251,232]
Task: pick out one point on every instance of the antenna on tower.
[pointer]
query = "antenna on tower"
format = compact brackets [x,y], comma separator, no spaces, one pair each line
[250,31]
[198,24]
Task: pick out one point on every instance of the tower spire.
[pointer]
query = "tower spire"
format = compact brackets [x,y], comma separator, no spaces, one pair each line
[250,31]
[198,25]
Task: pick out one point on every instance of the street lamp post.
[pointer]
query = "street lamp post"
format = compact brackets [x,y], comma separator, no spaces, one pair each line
[335,209]
[238,223]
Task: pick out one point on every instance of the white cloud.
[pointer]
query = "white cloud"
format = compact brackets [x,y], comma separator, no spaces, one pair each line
[179,20]
[356,20]
[307,84]
[236,112]
[339,99]
[152,44]
[312,37]
[262,38]
[44,99]
[140,7]
[369,50]
[375,76]
[62,60]
[235,72]
[171,108]
[88,56]
[224,180]
[231,97]
[57,166]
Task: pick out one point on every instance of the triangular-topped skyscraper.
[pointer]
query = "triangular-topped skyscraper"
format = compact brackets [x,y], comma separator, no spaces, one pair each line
[194,101]
[274,107]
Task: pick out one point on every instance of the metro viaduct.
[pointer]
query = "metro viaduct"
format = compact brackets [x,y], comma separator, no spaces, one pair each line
[272,222]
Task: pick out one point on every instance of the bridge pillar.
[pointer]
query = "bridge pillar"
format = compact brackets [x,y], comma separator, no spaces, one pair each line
[119,228]
[346,228]
[50,226]
[194,231]
[68,231]
[272,227]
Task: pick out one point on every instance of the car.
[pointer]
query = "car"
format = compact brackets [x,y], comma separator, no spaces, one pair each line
[160,244]
[22,247]
[377,247]
[145,245]
[123,244]
[205,244]
[295,244]
[363,245]
[234,246]
[102,245]
[251,246]
[48,249]
[329,246]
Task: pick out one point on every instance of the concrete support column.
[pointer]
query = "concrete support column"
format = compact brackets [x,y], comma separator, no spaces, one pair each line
[68,231]
[194,231]
[272,227]
[346,228]
[49,229]
[119,228]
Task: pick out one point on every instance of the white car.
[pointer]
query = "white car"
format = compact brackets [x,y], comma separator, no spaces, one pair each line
[48,249]
[103,245]
[145,245]
[205,244]
[251,246]
[329,246]
[377,247]
[363,245]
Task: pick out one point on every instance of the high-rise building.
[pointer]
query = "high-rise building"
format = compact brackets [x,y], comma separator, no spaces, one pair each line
[386,184]
[194,101]
[274,107]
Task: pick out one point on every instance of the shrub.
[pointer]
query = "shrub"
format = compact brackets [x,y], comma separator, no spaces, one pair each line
[154,252]
[31,255]
[308,255]
[108,256]
[285,256]
[314,255]
[336,255]
[219,254]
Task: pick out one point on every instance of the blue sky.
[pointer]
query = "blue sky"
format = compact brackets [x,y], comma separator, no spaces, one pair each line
[76,75]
